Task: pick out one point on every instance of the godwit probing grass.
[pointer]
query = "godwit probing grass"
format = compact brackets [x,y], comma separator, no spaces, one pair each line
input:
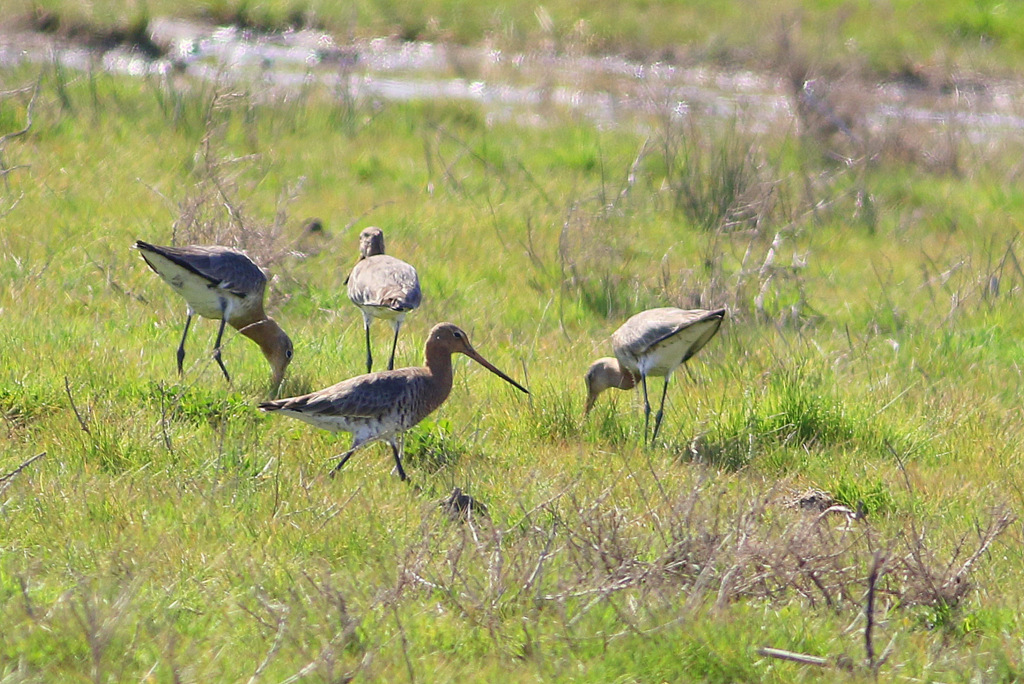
[383,405]
[651,343]
[382,287]
[222,283]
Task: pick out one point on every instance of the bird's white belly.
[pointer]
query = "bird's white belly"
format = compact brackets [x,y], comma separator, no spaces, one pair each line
[385,313]
[658,361]
[201,298]
[361,428]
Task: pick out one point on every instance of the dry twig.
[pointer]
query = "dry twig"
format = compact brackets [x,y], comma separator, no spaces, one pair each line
[6,479]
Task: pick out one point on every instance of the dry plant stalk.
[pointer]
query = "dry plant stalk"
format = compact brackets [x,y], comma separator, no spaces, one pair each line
[5,480]
[686,550]
[212,210]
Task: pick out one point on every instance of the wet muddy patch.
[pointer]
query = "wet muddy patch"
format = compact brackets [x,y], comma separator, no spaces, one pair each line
[526,87]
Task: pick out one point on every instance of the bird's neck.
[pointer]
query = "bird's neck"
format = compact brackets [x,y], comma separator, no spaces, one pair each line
[245,323]
[627,380]
[439,365]
[263,331]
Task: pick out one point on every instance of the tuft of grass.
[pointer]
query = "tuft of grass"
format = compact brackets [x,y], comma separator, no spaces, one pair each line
[716,183]
[432,447]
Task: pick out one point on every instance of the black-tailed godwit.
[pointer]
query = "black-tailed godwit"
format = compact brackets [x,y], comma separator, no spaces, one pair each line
[382,287]
[222,283]
[651,343]
[383,405]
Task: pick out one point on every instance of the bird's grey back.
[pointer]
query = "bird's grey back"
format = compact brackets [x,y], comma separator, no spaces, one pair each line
[372,396]
[647,329]
[222,266]
[383,280]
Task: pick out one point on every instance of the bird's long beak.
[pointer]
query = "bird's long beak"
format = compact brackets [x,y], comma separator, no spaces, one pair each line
[472,353]
[590,404]
[275,384]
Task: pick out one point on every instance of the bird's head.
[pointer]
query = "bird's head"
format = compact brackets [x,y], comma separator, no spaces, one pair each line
[603,374]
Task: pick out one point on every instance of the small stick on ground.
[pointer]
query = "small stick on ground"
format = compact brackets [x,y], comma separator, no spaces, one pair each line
[791,656]
[81,421]
[11,475]
[869,609]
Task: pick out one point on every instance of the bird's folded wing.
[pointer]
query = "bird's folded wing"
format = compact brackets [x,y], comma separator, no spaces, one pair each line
[365,396]
[383,280]
[222,267]
[690,332]
[235,273]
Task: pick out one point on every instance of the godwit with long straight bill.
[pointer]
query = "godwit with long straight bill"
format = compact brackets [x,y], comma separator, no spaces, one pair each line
[382,287]
[383,405]
[651,343]
[222,283]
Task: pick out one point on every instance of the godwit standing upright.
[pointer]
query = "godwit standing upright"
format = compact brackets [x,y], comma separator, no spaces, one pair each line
[653,342]
[382,405]
[382,287]
[222,283]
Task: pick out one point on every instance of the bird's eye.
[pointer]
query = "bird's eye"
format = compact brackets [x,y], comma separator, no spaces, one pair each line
[289,353]
[457,334]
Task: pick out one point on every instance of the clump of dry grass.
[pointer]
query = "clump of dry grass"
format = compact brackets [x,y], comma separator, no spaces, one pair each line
[689,551]
[213,211]
[313,604]
[7,200]
[720,180]
[594,263]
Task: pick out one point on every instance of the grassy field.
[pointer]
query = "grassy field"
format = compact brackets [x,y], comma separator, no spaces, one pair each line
[159,528]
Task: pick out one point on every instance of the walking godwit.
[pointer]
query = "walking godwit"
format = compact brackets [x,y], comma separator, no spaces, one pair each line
[222,283]
[382,287]
[382,405]
[653,342]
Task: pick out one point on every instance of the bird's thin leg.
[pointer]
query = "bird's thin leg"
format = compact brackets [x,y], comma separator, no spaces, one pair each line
[220,334]
[394,344]
[661,409]
[181,347]
[344,458]
[398,460]
[647,407]
[369,355]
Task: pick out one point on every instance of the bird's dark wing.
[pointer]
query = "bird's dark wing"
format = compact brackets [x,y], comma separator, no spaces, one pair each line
[223,267]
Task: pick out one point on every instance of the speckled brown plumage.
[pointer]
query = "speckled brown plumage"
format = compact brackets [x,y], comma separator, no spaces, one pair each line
[382,405]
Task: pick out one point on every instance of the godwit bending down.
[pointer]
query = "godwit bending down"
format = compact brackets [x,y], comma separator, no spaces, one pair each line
[653,342]
[382,405]
[222,283]
[382,287]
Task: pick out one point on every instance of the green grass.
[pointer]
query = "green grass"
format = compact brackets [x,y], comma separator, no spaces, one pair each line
[171,532]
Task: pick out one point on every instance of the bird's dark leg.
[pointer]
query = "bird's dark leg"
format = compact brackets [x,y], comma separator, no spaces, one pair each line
[220,334]
[647,407]
[398,461]
[344,458]
[181,347]
[394,345]
[369,356]
[661,410]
